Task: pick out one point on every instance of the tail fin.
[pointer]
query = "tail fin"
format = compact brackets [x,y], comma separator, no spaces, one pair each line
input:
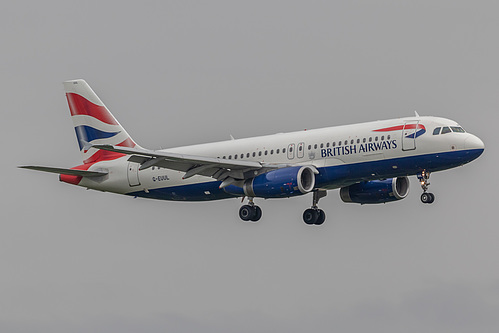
[94,123]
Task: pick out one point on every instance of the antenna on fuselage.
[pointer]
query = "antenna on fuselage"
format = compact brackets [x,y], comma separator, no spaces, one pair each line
[416,113]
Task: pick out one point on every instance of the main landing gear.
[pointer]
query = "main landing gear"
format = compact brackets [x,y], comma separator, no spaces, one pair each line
[426,197]
[250,212]
[315,215]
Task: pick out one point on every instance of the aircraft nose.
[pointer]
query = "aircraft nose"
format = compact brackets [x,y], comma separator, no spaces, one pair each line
[473,142]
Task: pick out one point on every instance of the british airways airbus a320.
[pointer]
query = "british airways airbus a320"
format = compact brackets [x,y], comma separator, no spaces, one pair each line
[368,162]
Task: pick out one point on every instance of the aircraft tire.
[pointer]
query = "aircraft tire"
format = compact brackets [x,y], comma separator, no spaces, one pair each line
[257,214]
[310,216]
[321,217]
[246,212]
[427,198]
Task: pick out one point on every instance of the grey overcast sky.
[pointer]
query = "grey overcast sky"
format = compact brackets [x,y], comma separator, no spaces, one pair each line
[185,72]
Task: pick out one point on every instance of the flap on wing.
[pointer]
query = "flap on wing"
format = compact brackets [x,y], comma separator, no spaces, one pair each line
[62,171]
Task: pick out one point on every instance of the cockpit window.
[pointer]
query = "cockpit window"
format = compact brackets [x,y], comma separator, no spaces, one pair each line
[436,131]
[445,130]
[457,129]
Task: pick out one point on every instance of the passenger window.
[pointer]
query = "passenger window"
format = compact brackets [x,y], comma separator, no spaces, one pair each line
[230,157]
[382,138]
[376,139]
[242,155]
[388,137]
[327,145]
[309,147]
[272,152]
[322,145]
[339,143]
[247,155]
[235,157]
[277,151]
[445,130]
[254,154]
[358,140]
[334,144]
[346,142]
[283,150]
[315,146]
[259,153]
[351,142]
[364,140]
[266,152]
[436,131]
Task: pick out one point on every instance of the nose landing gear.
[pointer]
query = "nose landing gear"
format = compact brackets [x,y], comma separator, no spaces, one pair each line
[426,197]
[250,212]
[315,215]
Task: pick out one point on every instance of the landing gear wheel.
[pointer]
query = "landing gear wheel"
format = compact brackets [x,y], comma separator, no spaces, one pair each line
[314,216]
[250,213]
[310,216]
[427,198]
[257,214]
[246,212]
[321,217]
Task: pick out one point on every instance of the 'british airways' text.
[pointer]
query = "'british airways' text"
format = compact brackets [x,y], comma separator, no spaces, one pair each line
[360,148]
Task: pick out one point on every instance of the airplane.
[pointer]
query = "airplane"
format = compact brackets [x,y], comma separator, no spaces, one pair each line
[368,162]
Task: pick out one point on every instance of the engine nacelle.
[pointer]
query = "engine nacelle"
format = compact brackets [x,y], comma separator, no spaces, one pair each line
[285,182]
[376,191]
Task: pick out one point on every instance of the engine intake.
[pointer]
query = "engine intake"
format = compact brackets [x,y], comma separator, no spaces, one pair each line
[376,191]
[285,182]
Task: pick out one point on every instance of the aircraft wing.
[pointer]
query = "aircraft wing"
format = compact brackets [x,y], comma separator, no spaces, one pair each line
[62,171]
[227,171]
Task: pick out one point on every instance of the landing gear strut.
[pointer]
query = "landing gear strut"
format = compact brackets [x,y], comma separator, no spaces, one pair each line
[426,197]
[250,212]
[315,215]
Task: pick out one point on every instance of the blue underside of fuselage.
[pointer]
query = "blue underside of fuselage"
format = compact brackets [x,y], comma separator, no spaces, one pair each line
[330,177]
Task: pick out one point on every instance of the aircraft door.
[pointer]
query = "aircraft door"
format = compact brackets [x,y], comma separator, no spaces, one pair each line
[291,151]
[301,150]
[409,135]
[133,174]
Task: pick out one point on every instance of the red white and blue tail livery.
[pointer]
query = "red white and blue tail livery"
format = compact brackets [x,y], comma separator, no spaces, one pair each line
[93,122]
[368,162]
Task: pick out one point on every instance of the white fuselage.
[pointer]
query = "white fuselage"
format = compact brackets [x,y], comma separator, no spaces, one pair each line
[343,155]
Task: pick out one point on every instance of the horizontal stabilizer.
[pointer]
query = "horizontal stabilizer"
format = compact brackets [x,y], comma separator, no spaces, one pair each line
[62,171]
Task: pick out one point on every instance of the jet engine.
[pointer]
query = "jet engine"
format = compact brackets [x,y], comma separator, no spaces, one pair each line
[284,182]
[376,191]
